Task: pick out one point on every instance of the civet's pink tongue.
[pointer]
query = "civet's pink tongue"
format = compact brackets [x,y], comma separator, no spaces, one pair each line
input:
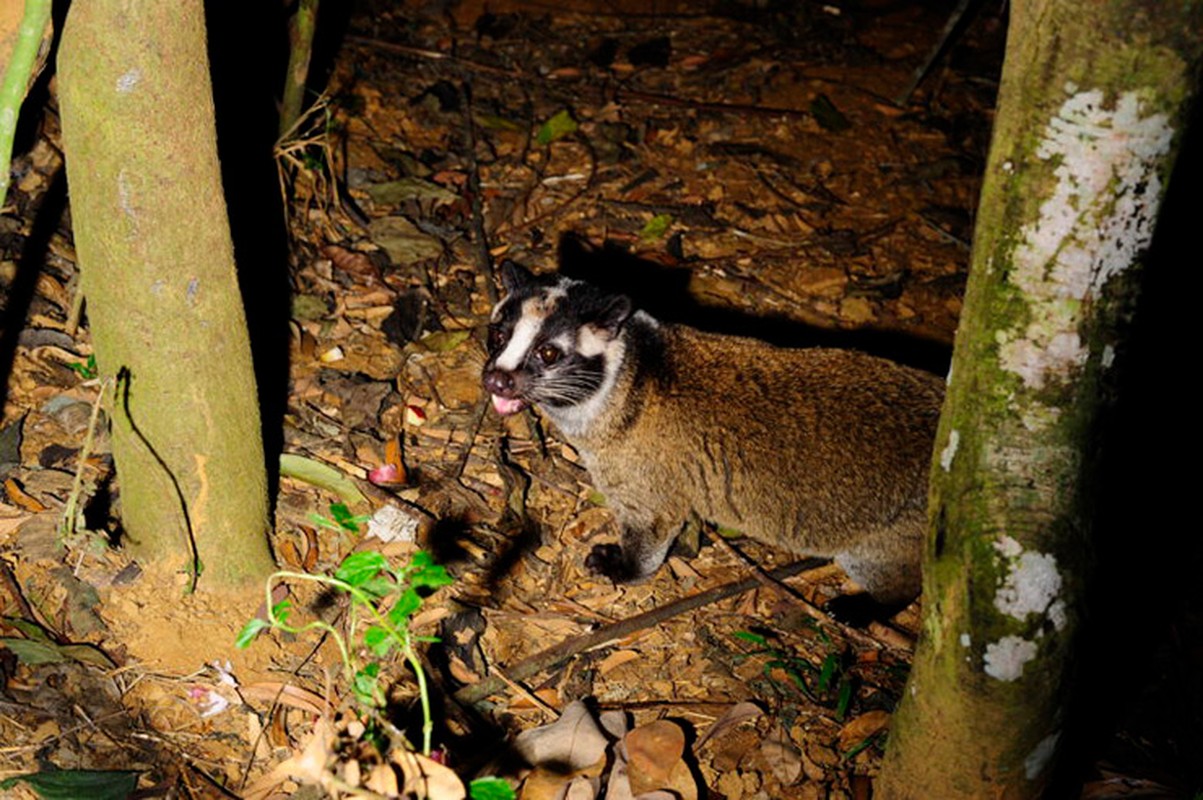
[506,405]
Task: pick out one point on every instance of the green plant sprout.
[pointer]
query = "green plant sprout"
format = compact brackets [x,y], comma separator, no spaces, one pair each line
[86,370]
[818,684]
[383,601]
[490,788]
[340,519]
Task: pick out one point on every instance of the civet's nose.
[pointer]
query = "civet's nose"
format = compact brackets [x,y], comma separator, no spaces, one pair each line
[500,382]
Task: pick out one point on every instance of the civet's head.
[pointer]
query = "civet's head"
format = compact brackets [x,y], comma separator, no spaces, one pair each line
[554,342]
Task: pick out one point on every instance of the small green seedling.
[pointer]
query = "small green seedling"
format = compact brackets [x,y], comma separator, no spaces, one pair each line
[490,788]
[877,740]
[383,600]
[828,684]
[86,370]
[340,519]
[556,127]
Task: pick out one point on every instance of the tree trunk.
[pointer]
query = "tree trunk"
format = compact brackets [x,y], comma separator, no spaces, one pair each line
[1090,110]
[158,271]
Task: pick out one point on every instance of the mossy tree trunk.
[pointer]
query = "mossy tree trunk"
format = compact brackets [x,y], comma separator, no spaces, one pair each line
[158,272]
[1090,110]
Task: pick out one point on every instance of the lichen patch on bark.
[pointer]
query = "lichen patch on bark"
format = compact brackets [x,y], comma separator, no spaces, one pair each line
[1100,215]
[1031,585]
[950,450]
[1005,658]
[127,81]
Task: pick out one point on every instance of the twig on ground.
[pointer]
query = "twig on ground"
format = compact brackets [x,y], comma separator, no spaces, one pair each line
[561,652]
[483,261]
[767,580]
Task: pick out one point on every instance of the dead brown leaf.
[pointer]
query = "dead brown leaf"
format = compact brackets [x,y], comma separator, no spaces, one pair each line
[20,498]
[857,729]
[426,779]
[287,694]
[652,750]
[574,741]
[740,712]
[783,758]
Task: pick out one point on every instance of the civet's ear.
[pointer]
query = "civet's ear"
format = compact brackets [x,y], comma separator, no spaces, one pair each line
[612,313]
[514,276]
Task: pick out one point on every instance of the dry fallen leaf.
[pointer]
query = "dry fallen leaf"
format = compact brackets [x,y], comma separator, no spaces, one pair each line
[654,761]
[615,660]
[286,695]
[382,780]
[22,500]
[574,741]
[651,752]
[857,729]
[309,765]
[782,758]
[734,715]
[551,784]
[426,779]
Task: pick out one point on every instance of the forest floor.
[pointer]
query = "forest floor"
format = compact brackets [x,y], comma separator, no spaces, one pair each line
[739,169]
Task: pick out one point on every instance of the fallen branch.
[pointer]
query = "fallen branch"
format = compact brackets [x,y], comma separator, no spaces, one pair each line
[561,652]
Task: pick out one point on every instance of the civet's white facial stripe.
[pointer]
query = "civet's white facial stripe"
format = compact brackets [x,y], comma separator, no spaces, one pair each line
[514,352]
[534,311]
[591,342]
[576,419]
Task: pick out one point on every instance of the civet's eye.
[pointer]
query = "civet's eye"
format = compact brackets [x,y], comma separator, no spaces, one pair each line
[496,338]
[548,354]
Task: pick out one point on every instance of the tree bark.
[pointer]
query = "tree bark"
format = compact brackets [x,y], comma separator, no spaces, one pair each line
[1090,112]
[158,271]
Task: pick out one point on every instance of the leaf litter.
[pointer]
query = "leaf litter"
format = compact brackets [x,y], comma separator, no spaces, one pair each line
[735,164]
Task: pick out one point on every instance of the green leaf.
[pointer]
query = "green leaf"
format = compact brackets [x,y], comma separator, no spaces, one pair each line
[841,706]
[345,519]
[249,631]
[754,638]
[38,648]
[322,476]
[29,651]
[423,573]
[419,561]
[409,602]
[366,686]
[281,610]
[490,788]
[830,664]
[378,587]
[443,341]
[340,512]
[431,577]
[31,630]
[378,640]
[656,227]
[87,654]
[72,784]
[560,125]
[323,522]
[358,568]
[87,371]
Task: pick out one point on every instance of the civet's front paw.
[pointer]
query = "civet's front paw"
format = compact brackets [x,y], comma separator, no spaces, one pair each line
[607,560]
